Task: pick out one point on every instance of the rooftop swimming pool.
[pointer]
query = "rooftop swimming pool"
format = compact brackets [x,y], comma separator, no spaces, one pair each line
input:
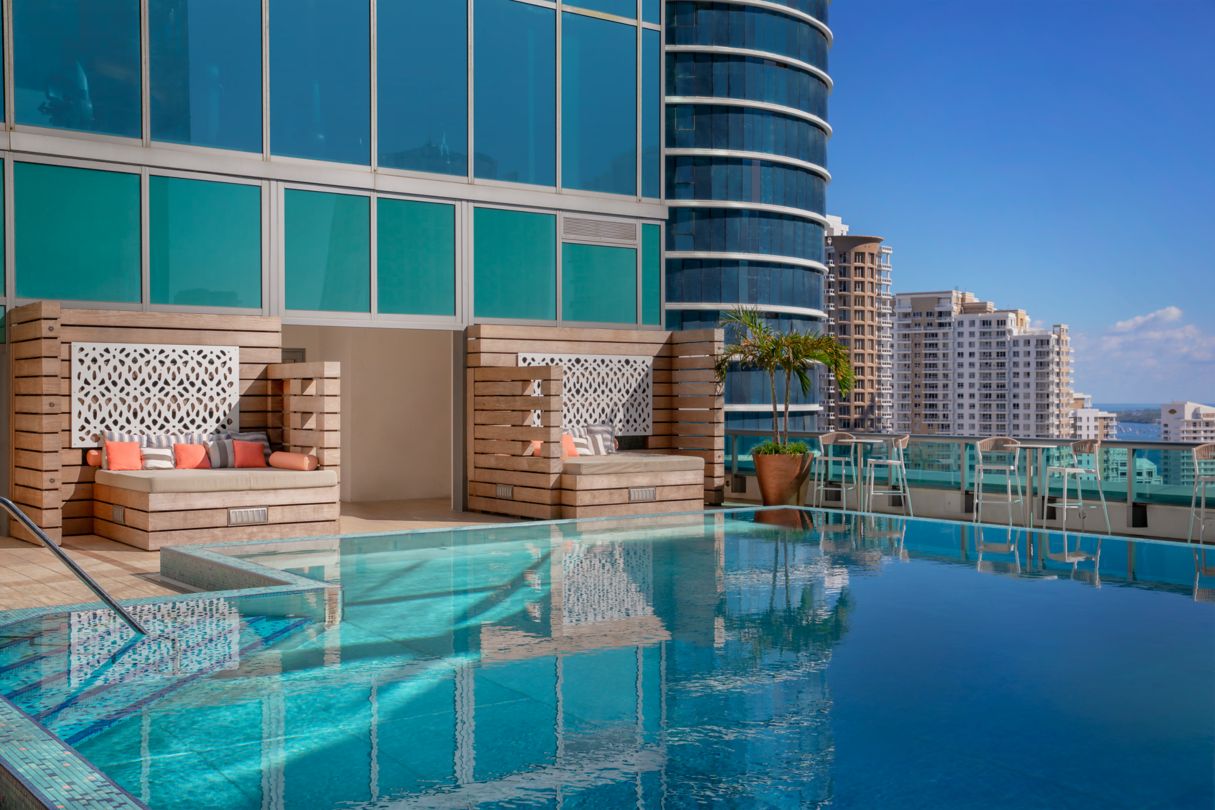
[758,658]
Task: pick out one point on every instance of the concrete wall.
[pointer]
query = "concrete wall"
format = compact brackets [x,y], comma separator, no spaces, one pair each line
[396,407]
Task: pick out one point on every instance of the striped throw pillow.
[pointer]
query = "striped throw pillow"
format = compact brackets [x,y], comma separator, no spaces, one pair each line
[220,452]
[165,441]
[157,458]
[602,439]
[582,442]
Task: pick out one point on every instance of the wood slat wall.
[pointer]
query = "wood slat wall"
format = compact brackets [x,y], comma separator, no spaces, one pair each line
[689,417]
[502,400]
[311,396]
[49,469]
[36,481]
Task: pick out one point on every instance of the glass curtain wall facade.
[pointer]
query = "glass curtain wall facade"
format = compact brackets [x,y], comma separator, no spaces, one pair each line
[746,177]
[406,163]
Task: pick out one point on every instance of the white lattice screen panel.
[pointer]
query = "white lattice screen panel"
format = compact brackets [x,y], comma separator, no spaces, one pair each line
[604,389]
[150,389]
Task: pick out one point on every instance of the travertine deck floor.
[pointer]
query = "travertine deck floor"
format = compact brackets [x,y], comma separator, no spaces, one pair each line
[30,576]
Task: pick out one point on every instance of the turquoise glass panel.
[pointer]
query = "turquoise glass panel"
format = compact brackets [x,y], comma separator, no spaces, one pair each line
[206,72]
[651,11]
[651,275]
[415,257]
[206,243]
[515,80]
[651,113]
[422,86]
[514,264]
[320,79]
[598,284]
[598,105]
[76,65]
[77,233]
[621,8]
[327,261]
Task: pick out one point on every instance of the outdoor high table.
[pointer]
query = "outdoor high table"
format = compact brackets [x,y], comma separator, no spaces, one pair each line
[858,453]
[1033,461]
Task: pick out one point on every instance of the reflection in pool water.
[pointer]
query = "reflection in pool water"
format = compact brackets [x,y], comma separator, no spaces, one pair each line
[766,658]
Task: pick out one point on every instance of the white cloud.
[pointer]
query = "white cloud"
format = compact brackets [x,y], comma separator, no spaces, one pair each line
[1148,358]
[1163,315]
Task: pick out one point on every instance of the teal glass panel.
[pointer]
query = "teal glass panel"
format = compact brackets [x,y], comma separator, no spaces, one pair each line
[598,105]
[206,243]
[598,284]
[515,80]
[651,11]
[77,233]
[416,257]
[320,79]
[206,72]
[327,261]
[621,8]
[651,113]
[76,65]
[514,264]
[422,86]
[651,275]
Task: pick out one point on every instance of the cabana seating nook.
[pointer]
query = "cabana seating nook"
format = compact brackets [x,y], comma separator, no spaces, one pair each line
[79,373]
[533,391]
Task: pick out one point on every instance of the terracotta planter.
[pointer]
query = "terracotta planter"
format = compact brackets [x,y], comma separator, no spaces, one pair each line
[781,478]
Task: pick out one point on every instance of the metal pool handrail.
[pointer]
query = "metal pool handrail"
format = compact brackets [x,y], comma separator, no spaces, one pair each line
[99,591]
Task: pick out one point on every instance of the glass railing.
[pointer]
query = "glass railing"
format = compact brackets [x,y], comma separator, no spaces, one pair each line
[1131,472]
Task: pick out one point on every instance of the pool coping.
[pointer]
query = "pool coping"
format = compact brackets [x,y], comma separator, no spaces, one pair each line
[36,766]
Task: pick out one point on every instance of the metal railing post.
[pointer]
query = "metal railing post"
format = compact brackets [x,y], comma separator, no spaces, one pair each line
[97,590]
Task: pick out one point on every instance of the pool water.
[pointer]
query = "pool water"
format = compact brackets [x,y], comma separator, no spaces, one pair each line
[782,658]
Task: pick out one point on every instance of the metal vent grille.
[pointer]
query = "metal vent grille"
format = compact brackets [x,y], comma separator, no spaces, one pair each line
[599,230]
[505,492]
[642,494]
[253,516]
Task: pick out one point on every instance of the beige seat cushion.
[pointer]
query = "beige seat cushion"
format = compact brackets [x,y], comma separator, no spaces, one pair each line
[631,463]
[256,478]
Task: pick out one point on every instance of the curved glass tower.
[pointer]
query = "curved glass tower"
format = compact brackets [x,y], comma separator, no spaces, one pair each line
[746,136]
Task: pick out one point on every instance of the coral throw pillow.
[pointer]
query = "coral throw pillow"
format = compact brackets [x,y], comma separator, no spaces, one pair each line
[568,448]
[191,457]
[123,456]
[248,454]
[293,461]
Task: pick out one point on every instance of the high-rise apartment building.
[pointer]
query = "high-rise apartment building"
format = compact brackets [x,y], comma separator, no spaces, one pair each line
[1184,422]
[1092,423]
[860,315]
[746,138]
[1187,422]
[964,367]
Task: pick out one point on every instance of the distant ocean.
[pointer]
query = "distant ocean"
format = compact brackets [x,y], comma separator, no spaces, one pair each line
[1134,431]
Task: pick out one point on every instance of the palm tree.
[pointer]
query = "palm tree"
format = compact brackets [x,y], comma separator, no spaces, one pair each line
[758,346]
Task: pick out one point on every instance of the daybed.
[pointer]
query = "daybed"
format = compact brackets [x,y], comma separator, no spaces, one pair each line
[154,508]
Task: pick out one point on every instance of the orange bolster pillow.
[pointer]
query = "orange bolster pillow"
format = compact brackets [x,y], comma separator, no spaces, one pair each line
[93,458]
[293,461]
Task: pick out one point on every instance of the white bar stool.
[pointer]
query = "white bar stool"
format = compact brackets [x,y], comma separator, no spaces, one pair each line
[1204,477]
[896,474]
[1073,469]
[822,466]
[998,454]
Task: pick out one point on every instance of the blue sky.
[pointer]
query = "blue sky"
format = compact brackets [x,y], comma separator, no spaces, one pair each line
[1052,155]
